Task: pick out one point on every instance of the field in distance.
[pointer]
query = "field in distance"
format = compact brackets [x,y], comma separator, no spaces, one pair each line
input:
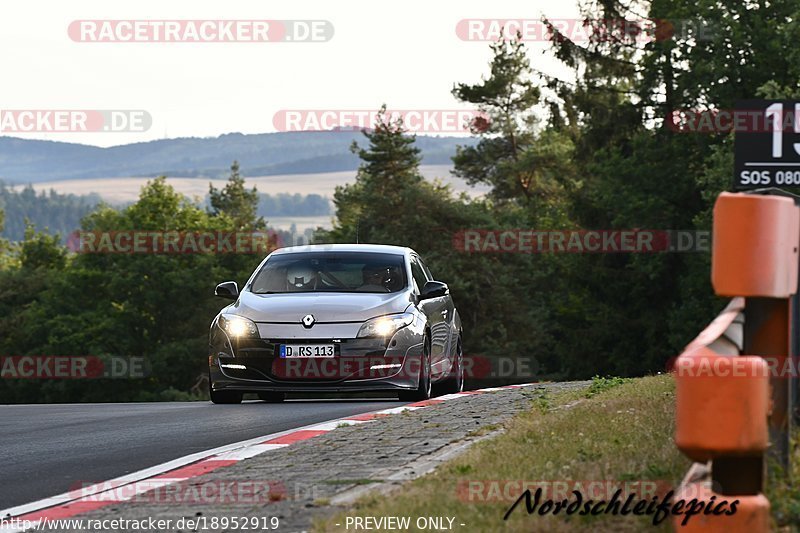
[120,190]
[123,190]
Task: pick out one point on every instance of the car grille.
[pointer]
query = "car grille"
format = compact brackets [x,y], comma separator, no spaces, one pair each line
[262,358]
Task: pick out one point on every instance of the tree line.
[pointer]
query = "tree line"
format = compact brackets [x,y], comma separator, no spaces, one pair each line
[61,214]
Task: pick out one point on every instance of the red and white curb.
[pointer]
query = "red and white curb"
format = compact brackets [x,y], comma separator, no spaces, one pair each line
[113,491]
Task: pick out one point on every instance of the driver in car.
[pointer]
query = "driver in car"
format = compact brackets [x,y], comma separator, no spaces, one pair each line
[299,277]
[375,279]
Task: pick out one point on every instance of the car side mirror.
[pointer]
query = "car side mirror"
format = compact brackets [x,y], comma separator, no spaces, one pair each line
[433,289]
[228,290]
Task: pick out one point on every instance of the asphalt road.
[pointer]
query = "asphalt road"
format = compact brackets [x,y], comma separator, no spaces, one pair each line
[49,449]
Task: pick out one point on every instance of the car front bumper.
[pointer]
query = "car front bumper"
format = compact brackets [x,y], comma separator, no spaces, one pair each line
[359,365]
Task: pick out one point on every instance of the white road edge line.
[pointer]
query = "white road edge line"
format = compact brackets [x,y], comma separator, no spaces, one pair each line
[152,471]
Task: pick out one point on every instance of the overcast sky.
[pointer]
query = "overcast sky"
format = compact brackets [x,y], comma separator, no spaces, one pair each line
[406,54]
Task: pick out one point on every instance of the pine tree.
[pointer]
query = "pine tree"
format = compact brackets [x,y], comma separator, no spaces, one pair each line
[385,185]
[236,201]
[519,163]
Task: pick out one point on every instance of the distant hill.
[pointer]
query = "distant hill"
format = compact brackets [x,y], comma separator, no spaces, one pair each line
[264,154]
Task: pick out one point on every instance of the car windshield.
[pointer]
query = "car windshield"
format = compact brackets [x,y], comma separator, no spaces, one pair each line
[331,272]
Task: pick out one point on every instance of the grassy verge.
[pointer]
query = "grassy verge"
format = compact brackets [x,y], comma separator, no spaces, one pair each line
[616,430]
[783,491]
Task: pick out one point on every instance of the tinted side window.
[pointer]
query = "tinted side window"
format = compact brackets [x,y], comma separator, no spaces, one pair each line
[426,270]
[418,274]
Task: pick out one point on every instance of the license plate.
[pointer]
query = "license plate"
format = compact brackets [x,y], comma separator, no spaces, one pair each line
[294,351]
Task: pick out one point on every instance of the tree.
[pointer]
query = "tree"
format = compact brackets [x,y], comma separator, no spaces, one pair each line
[42,250]
[7,255]
[236,201]
[59,213]
[637,172]
[386,183]
[510,156]
[120,304]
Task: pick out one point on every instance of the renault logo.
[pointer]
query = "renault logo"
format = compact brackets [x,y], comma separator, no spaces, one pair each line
[308,321]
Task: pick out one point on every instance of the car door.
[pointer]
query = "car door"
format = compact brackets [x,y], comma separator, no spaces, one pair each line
[448,313]
[437,312]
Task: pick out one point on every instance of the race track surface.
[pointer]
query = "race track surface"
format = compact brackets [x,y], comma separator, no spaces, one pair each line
[49,449]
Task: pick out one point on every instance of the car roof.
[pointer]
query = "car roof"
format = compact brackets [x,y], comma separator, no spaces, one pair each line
[374,248]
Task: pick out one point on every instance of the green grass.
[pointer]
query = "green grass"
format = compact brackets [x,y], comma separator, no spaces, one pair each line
[783,491]
[600,384]
[616,430]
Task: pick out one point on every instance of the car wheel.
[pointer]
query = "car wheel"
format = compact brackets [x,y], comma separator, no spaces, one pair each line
[455,381]
[223,396]
[272,397]
[423,390]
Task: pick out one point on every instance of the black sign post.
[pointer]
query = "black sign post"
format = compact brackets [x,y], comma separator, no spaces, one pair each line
[767,144]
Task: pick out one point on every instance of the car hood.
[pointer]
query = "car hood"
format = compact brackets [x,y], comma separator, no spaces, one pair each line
[326,307]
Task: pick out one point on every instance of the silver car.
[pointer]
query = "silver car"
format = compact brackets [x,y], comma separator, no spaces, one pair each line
[333,318]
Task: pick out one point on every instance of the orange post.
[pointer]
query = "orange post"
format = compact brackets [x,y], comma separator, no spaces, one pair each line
[755,242]
[722,404]
[752,512]
[724,398]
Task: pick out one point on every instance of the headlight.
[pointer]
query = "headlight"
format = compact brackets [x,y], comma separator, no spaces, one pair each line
[237,326]
[385,326]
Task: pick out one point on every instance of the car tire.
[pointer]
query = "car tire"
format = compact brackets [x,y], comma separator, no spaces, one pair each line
[423,390]
[272,396]
[223,396]
[454,383]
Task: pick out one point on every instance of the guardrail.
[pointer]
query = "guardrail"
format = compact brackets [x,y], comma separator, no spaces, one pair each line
[735,401]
